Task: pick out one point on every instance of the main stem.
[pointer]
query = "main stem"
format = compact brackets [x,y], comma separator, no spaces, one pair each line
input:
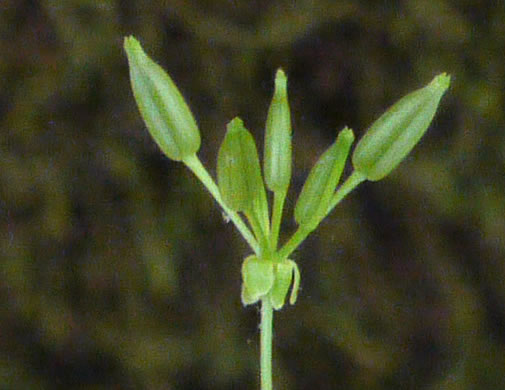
[266,344]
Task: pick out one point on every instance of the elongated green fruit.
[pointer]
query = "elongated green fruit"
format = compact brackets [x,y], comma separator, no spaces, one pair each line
[397,131]
[166,114]
[277,152]
[238,170]
[312,204]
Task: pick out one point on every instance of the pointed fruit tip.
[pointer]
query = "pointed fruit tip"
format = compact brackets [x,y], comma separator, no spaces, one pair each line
[280,73]
[442,81]
[131,44]
[347,133]
[235,123]
[280,81]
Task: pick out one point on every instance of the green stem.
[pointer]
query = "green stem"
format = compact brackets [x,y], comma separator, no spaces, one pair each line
[194,164]
[301,234]
[293,243]
[258,231]
[350,184]
[266,344]
[279,198]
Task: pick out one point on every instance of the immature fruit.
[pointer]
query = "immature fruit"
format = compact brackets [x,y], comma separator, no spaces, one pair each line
[166,114]
[238,171]
[277,159]
[397,131]
[312,204]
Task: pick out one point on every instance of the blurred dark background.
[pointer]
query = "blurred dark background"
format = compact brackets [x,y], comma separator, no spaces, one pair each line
[117,270]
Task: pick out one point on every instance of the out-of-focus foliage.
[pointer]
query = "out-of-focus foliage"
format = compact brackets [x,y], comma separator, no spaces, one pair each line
[118,271]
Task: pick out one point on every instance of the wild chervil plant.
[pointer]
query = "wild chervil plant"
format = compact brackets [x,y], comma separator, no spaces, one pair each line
[268,273]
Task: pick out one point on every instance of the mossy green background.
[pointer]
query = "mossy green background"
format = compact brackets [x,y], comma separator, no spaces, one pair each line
[117,270]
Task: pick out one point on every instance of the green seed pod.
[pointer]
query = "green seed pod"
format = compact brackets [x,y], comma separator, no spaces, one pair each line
[283,277]
[238,170]
[166,114]
[396,132]
[312,204]
[257,279]
[277,158]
